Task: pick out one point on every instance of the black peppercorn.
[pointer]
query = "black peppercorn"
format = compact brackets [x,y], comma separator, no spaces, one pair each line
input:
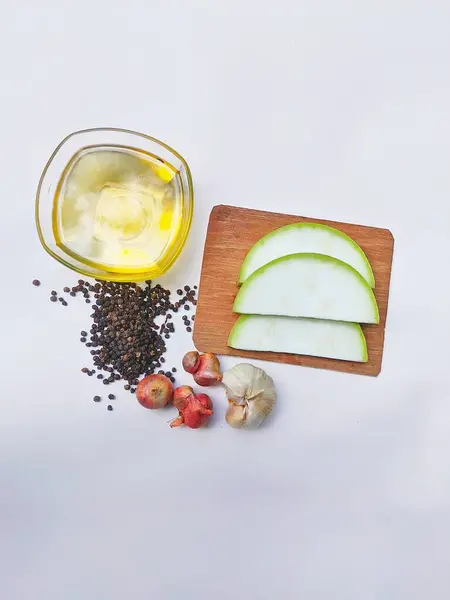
[124,338]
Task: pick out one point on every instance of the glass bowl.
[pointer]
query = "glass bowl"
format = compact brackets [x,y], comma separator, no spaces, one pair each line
[51,178]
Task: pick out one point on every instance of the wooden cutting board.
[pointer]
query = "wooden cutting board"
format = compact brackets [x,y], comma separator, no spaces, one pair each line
[232,231]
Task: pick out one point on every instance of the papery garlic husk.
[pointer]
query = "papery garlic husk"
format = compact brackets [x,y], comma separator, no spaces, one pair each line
[251,395]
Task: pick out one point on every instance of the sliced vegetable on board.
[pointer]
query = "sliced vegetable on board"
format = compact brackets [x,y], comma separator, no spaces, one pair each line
[306,237]
[314,337]
[308,285]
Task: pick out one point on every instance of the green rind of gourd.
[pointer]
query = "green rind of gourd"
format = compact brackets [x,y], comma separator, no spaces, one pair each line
[318,257]
[364,342]
[243,318]
[237,327]
[333,230]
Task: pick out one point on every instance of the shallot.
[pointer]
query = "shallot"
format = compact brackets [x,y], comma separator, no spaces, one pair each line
[205,368]
[154,391]
[194,410]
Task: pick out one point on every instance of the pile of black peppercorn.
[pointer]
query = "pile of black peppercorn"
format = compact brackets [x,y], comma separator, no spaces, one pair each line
[124,340]
[124,337]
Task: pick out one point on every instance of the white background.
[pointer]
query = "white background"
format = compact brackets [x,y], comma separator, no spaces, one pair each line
[333,109]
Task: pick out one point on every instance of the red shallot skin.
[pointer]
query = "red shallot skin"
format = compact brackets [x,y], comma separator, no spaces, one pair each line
[190,361]
[205,368]
[195,410]
[208,370]
[181,396]
[198,411]
[154,391]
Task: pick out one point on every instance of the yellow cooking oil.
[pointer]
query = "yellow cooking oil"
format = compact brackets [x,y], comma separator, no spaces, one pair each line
[118,209]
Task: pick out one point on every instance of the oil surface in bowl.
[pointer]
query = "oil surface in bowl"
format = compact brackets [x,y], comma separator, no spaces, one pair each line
[117,208]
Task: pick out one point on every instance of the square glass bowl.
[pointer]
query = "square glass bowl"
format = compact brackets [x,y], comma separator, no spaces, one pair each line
[49,194]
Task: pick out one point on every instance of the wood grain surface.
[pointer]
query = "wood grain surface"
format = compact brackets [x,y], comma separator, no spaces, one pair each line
[232,231]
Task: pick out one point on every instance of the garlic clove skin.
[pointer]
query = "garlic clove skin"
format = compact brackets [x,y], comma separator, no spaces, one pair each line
[235,416]
[251,394]
[249,416]
[236,384]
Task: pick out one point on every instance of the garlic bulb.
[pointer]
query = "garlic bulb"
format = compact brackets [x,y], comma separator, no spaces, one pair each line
[251,395]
